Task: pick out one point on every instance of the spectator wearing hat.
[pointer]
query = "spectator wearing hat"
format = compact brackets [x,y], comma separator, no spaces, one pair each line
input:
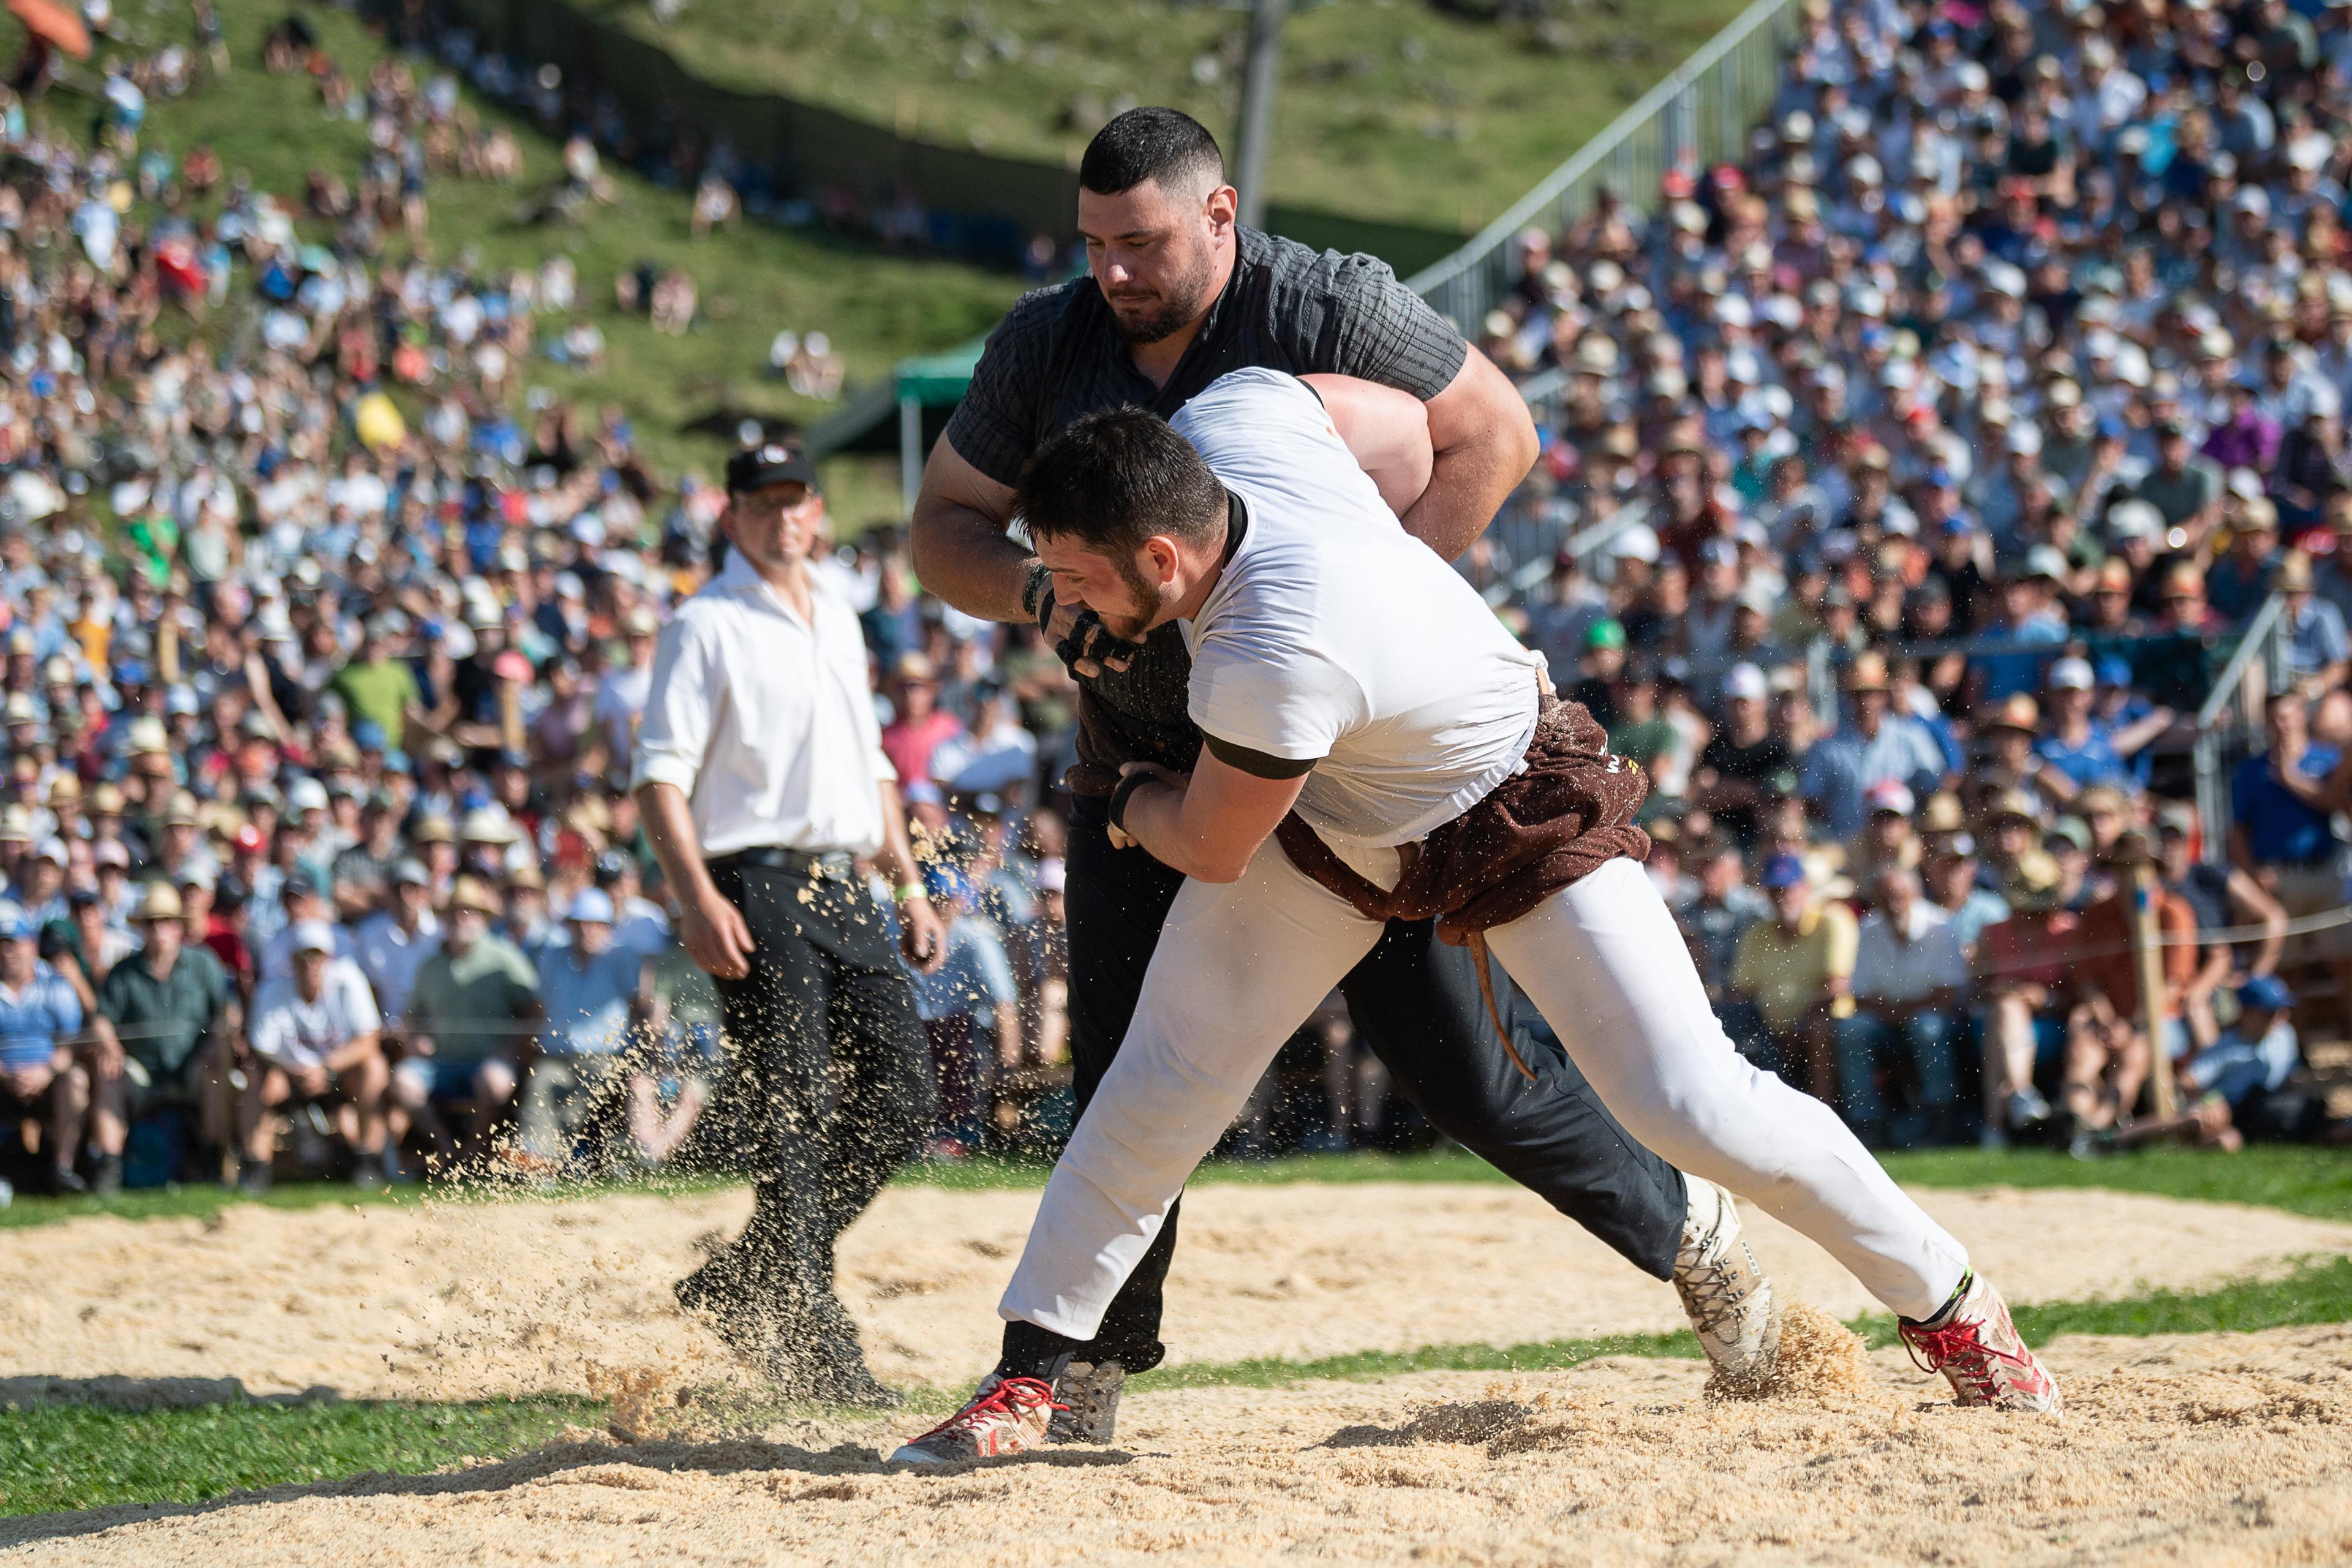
[2072,743]
[1953,883]
[170,1026]
[1797,970]
[317,1044]
[587,989]
[761,775]
[918,724]
[1910,977]
[2318,649]
[1875,744]
[2031,616]
[2107,1045]
[468,1015]
[42,1077]
[2011,732]
[302,896]
[2240,579]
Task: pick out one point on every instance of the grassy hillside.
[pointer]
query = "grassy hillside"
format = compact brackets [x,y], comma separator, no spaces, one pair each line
[1390,108]
[752,280]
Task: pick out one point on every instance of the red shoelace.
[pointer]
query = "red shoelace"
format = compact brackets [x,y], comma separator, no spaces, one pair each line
[1958,1345]
[1014,1396]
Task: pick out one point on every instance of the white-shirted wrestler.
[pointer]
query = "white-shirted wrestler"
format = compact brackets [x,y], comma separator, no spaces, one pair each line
[1340,669]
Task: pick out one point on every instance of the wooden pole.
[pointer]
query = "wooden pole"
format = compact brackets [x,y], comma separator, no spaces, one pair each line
[2149,954]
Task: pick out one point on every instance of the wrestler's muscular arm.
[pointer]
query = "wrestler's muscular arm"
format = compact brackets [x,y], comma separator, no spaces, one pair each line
[1485,443]
[1387,431]
[1208,824]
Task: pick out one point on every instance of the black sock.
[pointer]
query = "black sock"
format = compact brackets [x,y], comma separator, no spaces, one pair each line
[1032,1352]
[1944,1311]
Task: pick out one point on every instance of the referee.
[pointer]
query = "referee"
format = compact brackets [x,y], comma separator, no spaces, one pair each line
[1180,295]
[760,779]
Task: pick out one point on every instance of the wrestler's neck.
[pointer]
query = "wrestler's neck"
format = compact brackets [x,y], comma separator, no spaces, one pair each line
[1202,571]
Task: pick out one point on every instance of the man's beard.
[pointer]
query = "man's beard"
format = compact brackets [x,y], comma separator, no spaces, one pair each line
[1185,303]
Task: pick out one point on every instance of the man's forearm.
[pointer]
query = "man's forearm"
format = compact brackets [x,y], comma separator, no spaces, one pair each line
[669,830]
[897,859]
[965,557]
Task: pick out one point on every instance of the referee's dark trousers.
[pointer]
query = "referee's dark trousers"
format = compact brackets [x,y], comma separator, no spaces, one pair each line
[1416,1000]
[832,1070]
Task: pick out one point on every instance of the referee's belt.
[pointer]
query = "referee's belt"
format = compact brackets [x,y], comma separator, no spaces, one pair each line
[829,863]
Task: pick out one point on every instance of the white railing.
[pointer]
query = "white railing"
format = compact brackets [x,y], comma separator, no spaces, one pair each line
[1700,115]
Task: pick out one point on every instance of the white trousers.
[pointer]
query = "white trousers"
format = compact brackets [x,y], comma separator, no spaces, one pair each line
[1240,967]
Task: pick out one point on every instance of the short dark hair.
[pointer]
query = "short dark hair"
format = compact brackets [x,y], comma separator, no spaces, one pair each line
[1163,144]
[1115,477]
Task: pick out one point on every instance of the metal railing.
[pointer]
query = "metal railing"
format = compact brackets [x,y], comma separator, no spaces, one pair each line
[1700,115]
[2231,717]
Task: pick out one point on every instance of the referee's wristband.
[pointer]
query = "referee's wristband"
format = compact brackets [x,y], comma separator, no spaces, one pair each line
[910,890]
[1125,793]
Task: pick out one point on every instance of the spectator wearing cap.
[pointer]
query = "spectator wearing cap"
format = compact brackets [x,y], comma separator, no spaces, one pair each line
[1953,883]
[302,896]
[2032,616]
[42,1078]
[170,1022]
[1741,759]
[621,694]
[1797,970]
[2222,896]
[1603,661]
[2075,745]
[1873,745]
[968,1004]
[2281,801]
[2242,1076]
[392,945]
[761,775]
[1910,978]
[2109,1048]
[2024,976]
[468,1014]
[1886,842]
[587,988]
[317,1041]
[2318,649]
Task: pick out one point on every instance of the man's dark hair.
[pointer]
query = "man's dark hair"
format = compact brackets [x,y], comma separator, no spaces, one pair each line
[1163,144]
[1113,479]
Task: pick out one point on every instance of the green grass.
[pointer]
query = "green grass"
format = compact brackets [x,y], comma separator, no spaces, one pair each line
[61,1457]
[2306,1181]
[1389,110]
[752,280]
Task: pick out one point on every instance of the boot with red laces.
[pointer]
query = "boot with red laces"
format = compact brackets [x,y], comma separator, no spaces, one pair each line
[1977,1348]
[1007,1415]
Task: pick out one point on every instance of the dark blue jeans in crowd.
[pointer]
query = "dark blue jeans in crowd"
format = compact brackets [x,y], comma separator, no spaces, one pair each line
[1927,1040]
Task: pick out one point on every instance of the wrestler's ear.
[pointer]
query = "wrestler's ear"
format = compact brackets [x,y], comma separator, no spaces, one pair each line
[1159,560]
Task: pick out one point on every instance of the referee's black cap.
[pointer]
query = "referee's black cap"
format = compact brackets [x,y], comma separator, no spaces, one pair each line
[770,463]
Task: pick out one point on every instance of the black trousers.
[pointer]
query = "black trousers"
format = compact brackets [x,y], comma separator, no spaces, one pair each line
[832,1083]
[1415,1002]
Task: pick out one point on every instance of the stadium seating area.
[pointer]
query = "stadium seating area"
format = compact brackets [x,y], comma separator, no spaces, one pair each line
[1931,464]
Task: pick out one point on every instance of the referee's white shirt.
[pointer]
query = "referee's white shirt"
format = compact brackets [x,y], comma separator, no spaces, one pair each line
[766,720]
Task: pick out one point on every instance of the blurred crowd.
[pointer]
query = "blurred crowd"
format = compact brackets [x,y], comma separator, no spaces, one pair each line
[1906,489]
[1925,468]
